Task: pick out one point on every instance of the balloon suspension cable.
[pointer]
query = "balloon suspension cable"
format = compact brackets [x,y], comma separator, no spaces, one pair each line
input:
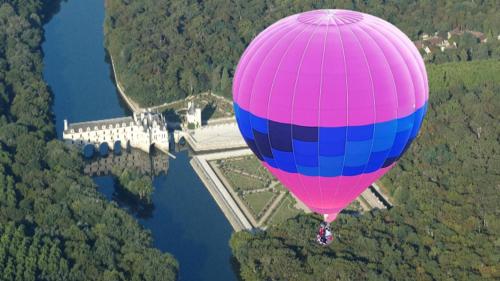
[328,218]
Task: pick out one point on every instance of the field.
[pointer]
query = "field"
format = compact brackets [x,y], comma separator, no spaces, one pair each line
[258,191]
[258,201]
[284,211]
[261,195]
[249,164]
[241,182]
[265,199]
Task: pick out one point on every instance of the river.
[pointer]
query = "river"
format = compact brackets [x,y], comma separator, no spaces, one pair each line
[184,219]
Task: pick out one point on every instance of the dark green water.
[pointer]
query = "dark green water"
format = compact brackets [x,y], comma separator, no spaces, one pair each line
[184,220]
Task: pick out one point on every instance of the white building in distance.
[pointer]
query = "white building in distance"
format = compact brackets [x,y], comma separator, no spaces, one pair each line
[193,115]
[141,131]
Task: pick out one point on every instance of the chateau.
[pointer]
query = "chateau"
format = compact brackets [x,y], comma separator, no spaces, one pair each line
[141,131]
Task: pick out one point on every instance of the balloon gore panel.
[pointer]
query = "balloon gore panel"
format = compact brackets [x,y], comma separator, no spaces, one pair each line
[328,101]
[329,152]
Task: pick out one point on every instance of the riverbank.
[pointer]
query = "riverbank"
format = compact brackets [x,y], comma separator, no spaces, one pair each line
[226,203]
[183,219]
[75,85]
[257,206]
[135,107]
[132,105]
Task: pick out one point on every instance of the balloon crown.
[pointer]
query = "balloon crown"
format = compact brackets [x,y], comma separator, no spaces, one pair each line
[330,17]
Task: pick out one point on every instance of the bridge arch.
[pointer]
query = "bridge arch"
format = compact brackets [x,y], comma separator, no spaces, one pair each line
[88,150]
[104,148]
[117,147]
[128,146]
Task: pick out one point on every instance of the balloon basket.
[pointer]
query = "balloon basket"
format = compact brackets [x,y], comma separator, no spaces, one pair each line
[324,237]
[325,242]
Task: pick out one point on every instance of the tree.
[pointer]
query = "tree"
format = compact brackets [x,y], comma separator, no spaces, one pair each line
[178,49]
[51,215]
[443,224]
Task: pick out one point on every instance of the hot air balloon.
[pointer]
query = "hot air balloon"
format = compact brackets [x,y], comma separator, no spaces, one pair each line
[328,101]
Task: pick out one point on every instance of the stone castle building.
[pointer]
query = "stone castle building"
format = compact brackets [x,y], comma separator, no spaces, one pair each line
[193,115]
[141,131]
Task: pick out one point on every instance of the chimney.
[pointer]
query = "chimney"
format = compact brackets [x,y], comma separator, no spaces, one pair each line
[65,125]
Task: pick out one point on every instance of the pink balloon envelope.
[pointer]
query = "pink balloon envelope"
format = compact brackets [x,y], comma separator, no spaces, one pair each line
[329,100]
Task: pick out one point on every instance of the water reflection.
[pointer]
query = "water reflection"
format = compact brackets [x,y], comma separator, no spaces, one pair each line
[186,221]
[154,164]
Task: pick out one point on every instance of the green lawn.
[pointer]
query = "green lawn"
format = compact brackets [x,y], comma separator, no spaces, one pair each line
[245,163]
[257,201]
[284,211]
[280,187]
[241,182]
[251,165]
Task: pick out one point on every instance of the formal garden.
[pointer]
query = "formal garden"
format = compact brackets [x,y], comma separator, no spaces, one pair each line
[261,194]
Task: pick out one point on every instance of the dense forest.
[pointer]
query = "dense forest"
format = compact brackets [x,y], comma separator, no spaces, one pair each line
[165,50]
[54,225]
[444,225]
